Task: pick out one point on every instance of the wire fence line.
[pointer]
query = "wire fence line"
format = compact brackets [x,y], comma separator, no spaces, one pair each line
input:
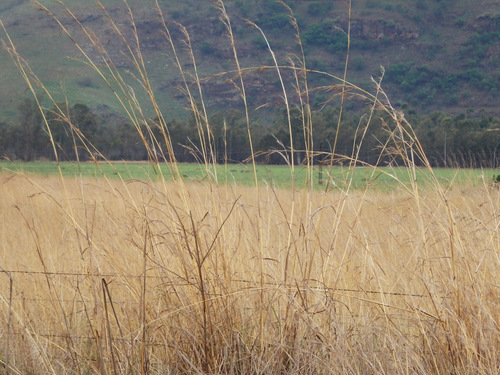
[168,281]
[125,331]
[73,337]
[22,296]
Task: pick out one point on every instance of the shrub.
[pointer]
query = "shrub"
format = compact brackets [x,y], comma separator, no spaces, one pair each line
[438,13]
[243,7]
[325,34]
[451,99]
[371,3]
[402,9]
[460,22]
[358,63]
[206,48]
[317,8]
[317,64]
[421,5]
[176,14]
[259,42]
[478,44]
[274,21]
[388,6]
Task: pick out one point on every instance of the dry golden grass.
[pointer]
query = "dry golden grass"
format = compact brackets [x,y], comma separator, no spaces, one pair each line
[132,277]
[230,279]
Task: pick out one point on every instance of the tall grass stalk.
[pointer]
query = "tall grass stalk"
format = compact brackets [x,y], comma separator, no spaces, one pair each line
[158,277]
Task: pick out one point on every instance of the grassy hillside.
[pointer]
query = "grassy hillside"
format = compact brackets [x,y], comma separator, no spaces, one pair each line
[437,54]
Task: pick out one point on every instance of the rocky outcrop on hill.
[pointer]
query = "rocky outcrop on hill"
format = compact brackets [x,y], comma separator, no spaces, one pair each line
[487,23]
[380,29]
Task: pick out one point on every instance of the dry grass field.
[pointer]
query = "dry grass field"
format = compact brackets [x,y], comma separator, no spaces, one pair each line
[116,276]
[137,277]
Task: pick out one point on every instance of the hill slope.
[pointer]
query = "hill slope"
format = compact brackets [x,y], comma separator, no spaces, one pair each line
[437,55]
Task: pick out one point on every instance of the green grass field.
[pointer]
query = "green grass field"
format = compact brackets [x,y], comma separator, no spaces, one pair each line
[275,175]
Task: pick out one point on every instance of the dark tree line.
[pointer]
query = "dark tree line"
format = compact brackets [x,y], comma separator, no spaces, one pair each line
[470,139]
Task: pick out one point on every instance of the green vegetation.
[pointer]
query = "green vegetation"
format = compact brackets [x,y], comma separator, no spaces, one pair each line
[421,84]
[381,178]
[469,139]
[477,47]
[319,8]
[326,35]
[206,48]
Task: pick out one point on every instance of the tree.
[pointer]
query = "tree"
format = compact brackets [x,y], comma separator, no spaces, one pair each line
[74,130]
[86,122]
[230,135]
[6,140]
[30,127]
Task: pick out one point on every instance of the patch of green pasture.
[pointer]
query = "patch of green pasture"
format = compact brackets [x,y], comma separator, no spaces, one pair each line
[274,175]
[141,171]
[231,173]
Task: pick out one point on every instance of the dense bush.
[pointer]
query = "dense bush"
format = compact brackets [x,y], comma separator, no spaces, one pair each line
[327,35]
[416,82]
[318,8]
[478,45]
[206,48]
[274,21]
[358,63]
